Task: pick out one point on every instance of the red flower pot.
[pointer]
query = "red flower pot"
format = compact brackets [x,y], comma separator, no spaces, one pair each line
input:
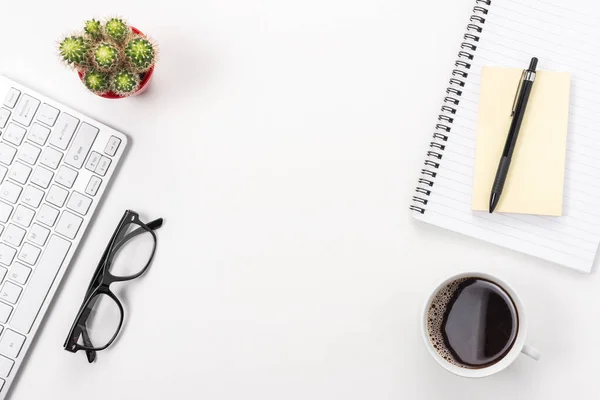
[145,78]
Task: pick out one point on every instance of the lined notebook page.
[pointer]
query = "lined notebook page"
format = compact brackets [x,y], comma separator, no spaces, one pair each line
[565,38]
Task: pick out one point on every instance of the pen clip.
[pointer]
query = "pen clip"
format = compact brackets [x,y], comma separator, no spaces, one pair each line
[512,112]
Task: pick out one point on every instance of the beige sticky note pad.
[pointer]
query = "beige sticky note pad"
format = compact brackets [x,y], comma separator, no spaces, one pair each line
[534,184]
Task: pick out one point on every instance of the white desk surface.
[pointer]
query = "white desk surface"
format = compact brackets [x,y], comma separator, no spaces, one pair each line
[281,142]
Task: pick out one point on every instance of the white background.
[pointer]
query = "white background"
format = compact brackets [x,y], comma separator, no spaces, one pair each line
[280,140]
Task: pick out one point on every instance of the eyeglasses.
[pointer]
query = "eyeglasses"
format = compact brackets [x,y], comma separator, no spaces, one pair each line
[127,256]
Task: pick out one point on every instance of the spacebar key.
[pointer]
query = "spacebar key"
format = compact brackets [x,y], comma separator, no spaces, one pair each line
[40,284]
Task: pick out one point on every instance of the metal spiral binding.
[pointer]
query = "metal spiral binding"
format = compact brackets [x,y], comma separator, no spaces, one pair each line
[450,107]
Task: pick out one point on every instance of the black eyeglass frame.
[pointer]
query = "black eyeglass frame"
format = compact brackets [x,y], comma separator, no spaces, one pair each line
[103,278]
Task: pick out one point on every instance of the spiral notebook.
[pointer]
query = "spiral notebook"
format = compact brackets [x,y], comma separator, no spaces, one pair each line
[508,33]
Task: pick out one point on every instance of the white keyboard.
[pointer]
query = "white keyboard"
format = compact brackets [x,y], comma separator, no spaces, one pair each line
[54,166]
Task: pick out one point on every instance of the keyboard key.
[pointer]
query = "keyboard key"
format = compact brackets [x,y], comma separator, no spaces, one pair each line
[11,98]
[66,176]
[57,196]
[6,366]
[13,235]
[93,185]
[47,114]
[5,311]
[47,215]
[29,254]
[23,216]
[29,153]
[63,132]
[3,272]
[14,134]
[38,235]
[4,116]
[7,254]
[19,273]
[103,166]
[10,192]
[19,172]
[41,177]
[7,153]
[11,343]
[40,284]
[51,157]
[112,146]
[26,109]
[93,161]
[32,196]
[39,134]
[81,145]
[79,203]
[5,211]
[10,292]
[68,224]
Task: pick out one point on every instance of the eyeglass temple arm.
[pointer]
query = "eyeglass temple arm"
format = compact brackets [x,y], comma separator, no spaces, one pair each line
[91,354]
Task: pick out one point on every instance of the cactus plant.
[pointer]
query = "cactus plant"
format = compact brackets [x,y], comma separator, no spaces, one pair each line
[125,83]
[112,58]
[74,50]
[139,52]
[93,29]
[117,30]
[106,57]
[97,81]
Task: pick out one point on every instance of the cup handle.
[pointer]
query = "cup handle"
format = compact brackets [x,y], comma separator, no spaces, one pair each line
[531,352]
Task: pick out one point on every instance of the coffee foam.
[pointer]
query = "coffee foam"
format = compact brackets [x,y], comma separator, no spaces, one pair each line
[435,318]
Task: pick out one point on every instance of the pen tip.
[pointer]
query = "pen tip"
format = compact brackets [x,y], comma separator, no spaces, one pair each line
[493,202]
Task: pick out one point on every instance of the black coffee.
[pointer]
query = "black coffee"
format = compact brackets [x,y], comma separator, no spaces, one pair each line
[472,323]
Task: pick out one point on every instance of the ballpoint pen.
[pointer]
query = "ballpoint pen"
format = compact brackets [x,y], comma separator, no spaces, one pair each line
[518,112]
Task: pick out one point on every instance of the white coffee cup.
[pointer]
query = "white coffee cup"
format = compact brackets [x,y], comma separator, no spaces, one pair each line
[518,347]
